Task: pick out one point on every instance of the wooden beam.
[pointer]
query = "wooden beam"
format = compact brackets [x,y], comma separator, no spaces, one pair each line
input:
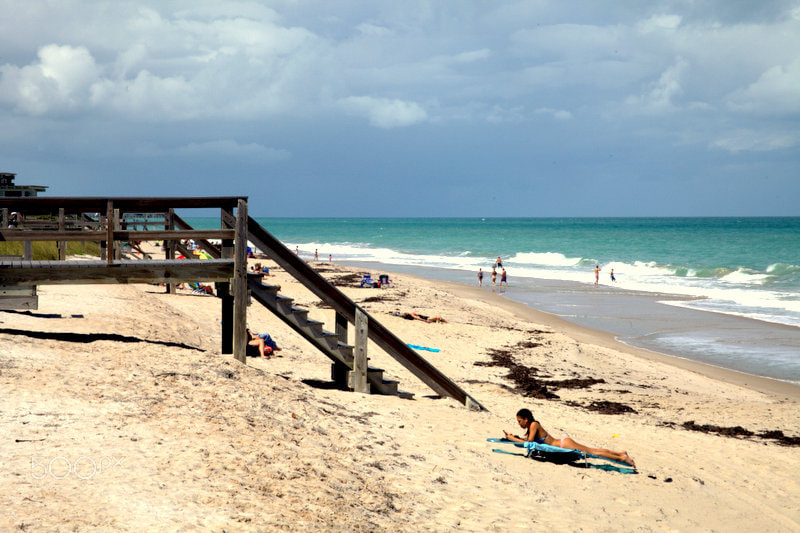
[129,271]
[110,233]
[51,204]
[240,284]
[75,235]
[62,245]
[341,327]
[224,287]
[360,383]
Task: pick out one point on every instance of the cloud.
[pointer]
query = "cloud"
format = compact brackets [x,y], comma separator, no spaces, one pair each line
[776,91]
[746,140]
[559,114]
[59,81]
[658,97]
[224,148]
[384,112]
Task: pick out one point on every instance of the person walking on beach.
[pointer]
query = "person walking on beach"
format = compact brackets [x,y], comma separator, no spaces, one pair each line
[494,278]
[503,278]
[536,433]
[596,274]
[612,276]
[480,277]
[316,255]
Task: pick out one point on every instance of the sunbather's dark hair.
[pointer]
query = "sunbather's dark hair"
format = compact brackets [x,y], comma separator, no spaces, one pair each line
[526,414]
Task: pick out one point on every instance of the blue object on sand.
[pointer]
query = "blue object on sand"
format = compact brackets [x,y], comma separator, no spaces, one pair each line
[556,454]
[422,348]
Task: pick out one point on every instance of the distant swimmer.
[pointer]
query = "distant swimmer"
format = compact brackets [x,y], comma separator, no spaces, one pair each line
[596,274]
[612,276]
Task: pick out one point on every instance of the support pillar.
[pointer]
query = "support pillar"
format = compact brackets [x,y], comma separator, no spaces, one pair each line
[240,284]
[360,383]
[339,371]
[224,291]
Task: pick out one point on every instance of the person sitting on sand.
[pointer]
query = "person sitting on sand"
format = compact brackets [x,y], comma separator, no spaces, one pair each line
[536,433]
[266,346]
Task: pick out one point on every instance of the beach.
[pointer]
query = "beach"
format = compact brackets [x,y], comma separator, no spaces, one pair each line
[120,412]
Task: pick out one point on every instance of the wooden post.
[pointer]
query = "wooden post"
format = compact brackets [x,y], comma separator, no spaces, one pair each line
[240,283]
[339,371]
[117,249]
[62,245]
[360,383]
[28,253]
[101,219]
[169,247]
[110,233]
[341,328]
[224,291]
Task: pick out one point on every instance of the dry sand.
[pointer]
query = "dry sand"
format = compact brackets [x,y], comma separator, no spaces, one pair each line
[120,413]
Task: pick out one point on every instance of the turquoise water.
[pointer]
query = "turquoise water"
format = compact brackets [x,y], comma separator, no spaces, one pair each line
[743,267]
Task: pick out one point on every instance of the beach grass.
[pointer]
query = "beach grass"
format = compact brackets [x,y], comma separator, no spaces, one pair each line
[48,251]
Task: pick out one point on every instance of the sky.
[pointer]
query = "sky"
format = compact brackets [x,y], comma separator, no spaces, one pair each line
[345,108]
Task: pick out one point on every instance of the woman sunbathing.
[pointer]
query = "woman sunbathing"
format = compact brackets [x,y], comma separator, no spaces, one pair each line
[536,433]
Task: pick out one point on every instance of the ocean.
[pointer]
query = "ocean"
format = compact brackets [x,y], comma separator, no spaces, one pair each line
[723,291]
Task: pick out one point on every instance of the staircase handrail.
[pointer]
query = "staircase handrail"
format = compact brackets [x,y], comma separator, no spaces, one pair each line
[343,305]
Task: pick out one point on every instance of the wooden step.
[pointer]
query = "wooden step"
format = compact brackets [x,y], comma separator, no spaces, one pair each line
[300,314]
[314,327]
[346,349]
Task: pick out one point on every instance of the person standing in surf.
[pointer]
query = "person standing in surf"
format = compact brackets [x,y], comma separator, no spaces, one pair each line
[596,274]
[480,277]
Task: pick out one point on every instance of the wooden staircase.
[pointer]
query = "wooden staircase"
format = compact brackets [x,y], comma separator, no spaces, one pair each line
[347,310]
[313,331]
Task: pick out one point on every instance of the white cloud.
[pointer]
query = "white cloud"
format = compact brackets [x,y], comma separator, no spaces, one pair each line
[658,97]
[385,112]
[59,81]
[744,140]
[225,148]
[373,30]
[472,56]
[659,23]
[560,114]
[776,91]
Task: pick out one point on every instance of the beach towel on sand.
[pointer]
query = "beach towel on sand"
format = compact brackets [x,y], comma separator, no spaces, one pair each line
[554,454]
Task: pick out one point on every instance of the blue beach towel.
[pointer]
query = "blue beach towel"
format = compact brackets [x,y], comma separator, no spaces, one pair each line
[558,455]
[422,348]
